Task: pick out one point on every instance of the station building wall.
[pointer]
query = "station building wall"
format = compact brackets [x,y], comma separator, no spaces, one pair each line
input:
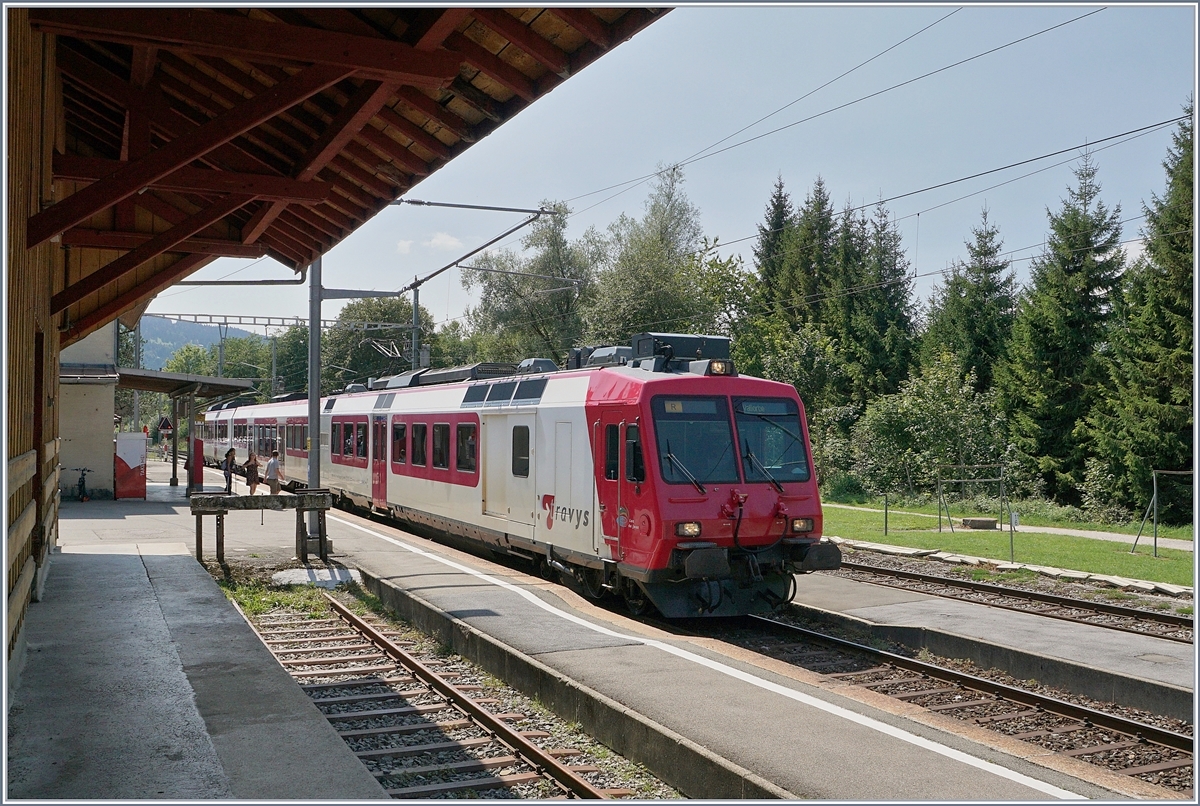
[88,392]
[35,130]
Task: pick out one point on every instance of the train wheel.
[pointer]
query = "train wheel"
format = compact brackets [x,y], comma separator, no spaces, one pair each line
[591,582]
[636,599]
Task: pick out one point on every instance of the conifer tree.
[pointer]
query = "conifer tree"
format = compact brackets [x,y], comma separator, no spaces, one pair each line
[971,314]
[1145,419]
[1051,376]
[879,345]
[808,251]
[769,257]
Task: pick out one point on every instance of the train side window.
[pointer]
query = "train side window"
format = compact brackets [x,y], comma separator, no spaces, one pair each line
[399,442]
[360,443]
[418,444]
[635,467]
[441,445]
[347,439]
[465,447]
[335,439]
[520,451]
[612,452]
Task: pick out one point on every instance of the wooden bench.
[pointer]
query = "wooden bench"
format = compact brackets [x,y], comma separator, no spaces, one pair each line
[305,500]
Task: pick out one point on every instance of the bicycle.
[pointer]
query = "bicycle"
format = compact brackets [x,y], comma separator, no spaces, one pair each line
[81,485]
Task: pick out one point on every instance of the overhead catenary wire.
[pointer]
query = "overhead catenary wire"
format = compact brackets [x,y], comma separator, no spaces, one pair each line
[814,116]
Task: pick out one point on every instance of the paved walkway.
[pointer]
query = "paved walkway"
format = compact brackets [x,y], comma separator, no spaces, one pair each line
[1116,537]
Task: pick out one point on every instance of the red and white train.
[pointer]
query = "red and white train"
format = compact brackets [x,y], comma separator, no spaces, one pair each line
[654,471]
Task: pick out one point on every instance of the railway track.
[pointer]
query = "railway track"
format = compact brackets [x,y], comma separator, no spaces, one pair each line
[1127,746]
[419,733]
[1170,626]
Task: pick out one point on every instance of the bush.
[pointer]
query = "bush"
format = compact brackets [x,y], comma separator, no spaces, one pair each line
[844,488]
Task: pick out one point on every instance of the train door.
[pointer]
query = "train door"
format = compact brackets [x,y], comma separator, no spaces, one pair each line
[508,480]
[379,457]
[607,453]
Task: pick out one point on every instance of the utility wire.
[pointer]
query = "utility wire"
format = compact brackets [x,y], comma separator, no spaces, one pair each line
[847,104]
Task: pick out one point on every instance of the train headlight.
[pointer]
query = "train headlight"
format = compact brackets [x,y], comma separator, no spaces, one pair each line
[802,524]
[688,529]
[720,366]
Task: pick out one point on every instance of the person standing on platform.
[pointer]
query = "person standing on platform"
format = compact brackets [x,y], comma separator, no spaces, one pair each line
[227,466]
[274,474]
[251,467]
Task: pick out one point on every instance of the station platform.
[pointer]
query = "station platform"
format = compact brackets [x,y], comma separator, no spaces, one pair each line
[704,716]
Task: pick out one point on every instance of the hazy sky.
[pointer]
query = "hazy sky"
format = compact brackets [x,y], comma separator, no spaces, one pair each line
[702,73]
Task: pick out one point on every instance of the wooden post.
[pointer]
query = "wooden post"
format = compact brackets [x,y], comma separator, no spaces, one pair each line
[301,537]
[324,543]
[221,537]
[199,538]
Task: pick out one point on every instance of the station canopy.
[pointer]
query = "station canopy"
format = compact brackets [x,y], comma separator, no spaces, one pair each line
[191,134]
[177,384]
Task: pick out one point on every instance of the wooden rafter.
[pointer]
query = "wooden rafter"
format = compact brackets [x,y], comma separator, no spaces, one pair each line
[361,107]
[586,23]
[147,251]
[196,143]
[199,180]
[519,34]
[111,239]
[123,302]
[433,26]
[237,37]
[482,59]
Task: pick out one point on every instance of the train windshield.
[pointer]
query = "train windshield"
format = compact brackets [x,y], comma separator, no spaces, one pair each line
[772,441]
[695,440]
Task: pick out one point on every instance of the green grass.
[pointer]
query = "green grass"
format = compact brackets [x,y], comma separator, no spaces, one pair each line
[1029,514]
[1059,551]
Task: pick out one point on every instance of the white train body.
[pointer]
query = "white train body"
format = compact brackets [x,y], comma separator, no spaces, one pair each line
[551,467]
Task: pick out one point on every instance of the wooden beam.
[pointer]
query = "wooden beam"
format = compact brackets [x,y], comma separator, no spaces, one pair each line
[179,152]
[541,50]
[422,103]
[115,307]
[150,249]
[21,469]
[21,529]
[432,31]
[395,151]
[199,180]
[19,598]
[353,116]
[348,122]
[233,36]
[107,239]
[586,23]
[141,66]
[483,59]
[415,133]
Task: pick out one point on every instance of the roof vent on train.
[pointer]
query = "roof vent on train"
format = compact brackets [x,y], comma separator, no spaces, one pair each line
[471,372]
[354,387]
[580,357]
[290,396]
[682,352]
[532,365]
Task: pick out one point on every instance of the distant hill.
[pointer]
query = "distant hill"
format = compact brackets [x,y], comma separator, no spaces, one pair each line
[162,337]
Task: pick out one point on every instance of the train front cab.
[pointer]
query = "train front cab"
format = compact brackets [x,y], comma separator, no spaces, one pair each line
[707,497]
